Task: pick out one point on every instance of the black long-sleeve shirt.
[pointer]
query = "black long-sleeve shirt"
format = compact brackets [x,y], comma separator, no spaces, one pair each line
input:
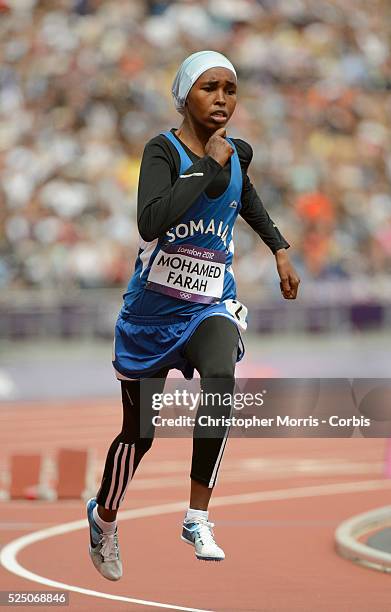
[163,198]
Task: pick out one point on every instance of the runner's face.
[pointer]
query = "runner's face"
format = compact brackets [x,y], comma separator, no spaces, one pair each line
[212,99]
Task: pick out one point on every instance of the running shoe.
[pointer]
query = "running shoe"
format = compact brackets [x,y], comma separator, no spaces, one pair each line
[104,548]
[199,534]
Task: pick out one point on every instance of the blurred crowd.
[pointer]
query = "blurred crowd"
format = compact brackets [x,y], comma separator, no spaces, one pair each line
[85,84]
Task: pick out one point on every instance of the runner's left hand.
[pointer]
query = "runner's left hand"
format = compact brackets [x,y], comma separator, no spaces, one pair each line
[289,278]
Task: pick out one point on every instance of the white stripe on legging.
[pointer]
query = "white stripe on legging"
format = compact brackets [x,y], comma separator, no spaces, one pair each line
[121,476]
[212,481]
[130,473]
[113,475]
[216,466]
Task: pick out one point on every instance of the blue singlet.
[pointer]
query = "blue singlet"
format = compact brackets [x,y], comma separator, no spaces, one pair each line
[180,279]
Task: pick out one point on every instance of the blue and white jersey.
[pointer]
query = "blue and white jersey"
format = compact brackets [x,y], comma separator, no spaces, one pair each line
[179,280]
[191,265]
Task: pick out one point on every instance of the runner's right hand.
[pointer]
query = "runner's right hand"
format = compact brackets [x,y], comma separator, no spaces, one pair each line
[219,148]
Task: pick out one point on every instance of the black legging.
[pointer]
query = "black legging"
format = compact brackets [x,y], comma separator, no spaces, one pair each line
[212,350]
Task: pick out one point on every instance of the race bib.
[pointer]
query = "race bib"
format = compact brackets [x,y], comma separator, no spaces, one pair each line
[188,272]
[238,312]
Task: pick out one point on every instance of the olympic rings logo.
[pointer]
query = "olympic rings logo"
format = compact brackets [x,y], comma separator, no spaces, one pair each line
[185,296]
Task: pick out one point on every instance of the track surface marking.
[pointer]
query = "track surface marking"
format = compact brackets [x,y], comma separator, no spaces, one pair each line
[9,553]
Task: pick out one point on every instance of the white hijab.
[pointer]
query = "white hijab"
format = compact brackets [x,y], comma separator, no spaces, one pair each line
[191,69]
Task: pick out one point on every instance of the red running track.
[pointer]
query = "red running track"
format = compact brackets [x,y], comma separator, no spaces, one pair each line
[279,539]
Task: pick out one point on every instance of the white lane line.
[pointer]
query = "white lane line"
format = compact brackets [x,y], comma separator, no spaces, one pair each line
[270,472]
[10,551]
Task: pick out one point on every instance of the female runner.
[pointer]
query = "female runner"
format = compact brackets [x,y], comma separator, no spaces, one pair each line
[180,308]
